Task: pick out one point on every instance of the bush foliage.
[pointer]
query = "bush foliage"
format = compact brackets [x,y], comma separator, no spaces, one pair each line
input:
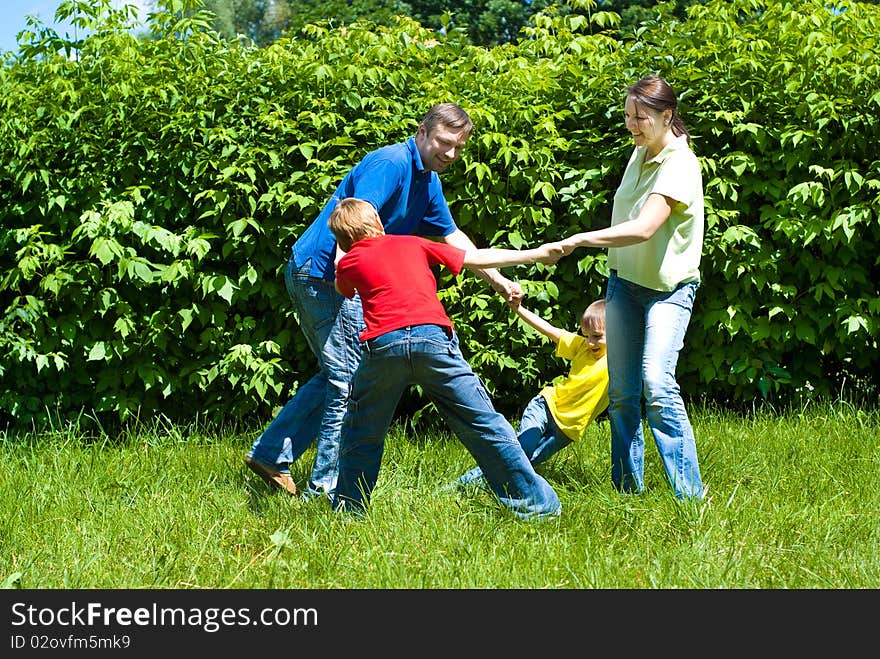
[152,187]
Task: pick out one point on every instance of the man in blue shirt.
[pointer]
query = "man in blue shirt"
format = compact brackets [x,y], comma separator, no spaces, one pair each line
[402,182]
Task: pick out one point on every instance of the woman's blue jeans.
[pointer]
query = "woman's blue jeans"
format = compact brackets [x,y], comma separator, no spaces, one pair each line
[539,437]
[426,356]
[331,324]
[645,330]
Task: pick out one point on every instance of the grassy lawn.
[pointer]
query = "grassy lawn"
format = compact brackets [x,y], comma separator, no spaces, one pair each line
[793,503]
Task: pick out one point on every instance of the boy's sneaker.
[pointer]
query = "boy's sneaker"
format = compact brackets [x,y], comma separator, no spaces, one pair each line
[271,475]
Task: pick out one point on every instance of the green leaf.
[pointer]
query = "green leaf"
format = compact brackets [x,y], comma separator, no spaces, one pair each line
[516,240]
[805,331]
[855,323]
[139,269]
[106,250]
[98,352]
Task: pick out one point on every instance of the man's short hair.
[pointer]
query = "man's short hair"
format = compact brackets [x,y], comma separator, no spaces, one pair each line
[450,115]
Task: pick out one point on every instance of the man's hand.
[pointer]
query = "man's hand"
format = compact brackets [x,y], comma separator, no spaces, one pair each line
[511,291]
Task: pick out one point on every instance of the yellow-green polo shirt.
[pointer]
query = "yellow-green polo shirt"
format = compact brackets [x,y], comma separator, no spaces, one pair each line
[672,255]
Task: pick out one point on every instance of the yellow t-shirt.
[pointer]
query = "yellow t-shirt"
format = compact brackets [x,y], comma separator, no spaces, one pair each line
[582,395]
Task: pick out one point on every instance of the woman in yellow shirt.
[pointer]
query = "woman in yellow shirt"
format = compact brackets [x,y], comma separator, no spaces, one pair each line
[654,243]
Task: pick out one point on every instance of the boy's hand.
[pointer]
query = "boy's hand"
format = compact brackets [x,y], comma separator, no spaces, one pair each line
[569,244]
[550,253]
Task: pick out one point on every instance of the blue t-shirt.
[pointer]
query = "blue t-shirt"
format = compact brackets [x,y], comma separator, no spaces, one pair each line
[408,199]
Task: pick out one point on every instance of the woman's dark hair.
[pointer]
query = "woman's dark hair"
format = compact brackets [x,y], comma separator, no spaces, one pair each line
[655,93]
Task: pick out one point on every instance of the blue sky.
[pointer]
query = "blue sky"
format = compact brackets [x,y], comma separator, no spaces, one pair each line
[13,13]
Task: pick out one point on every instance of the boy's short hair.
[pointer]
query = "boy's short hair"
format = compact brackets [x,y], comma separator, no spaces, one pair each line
[594,315]
[352,220]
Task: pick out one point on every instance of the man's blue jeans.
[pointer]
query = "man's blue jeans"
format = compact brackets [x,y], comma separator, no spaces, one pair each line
[331,324]
[539,437]
[425,355]
[645,330]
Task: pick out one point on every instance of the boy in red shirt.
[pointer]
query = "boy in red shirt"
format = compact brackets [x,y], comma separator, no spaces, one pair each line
[410,340]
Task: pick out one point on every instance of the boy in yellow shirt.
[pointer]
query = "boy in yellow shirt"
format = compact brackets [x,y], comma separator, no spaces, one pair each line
[560,413]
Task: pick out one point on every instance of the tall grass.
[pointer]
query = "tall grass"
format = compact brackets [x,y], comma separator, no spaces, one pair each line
[793,502]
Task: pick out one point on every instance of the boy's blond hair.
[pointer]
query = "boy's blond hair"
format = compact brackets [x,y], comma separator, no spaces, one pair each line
[352,220]
[594,315]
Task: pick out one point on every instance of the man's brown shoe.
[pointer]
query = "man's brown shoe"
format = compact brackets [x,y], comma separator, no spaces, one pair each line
[272,476]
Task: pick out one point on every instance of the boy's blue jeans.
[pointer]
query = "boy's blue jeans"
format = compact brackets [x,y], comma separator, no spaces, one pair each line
[425,355]
[646,331]
[331,324]
[539,437]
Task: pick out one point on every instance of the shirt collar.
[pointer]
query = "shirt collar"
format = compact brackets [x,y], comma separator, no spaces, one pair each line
[416,156]
[675,144]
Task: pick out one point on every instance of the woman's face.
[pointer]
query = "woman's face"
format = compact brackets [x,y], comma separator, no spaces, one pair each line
[648,127]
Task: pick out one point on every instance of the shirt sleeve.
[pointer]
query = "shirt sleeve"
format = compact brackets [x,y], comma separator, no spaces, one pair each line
[443,254]
[569,344]
[677,175]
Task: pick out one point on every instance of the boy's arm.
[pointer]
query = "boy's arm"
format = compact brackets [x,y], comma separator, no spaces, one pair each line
[492,257]
[339,255]
[550,331]
[342,286]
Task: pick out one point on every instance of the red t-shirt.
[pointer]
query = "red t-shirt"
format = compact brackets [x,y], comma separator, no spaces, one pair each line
[393,276]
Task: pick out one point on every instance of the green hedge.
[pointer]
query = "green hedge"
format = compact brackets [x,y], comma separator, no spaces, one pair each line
[152,188]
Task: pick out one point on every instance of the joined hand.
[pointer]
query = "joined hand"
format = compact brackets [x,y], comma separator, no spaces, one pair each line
[550,253]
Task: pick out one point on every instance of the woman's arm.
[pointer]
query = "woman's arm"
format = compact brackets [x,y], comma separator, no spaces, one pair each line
[654,213]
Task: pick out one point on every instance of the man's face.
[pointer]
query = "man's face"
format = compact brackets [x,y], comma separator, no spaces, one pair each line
[441,147]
